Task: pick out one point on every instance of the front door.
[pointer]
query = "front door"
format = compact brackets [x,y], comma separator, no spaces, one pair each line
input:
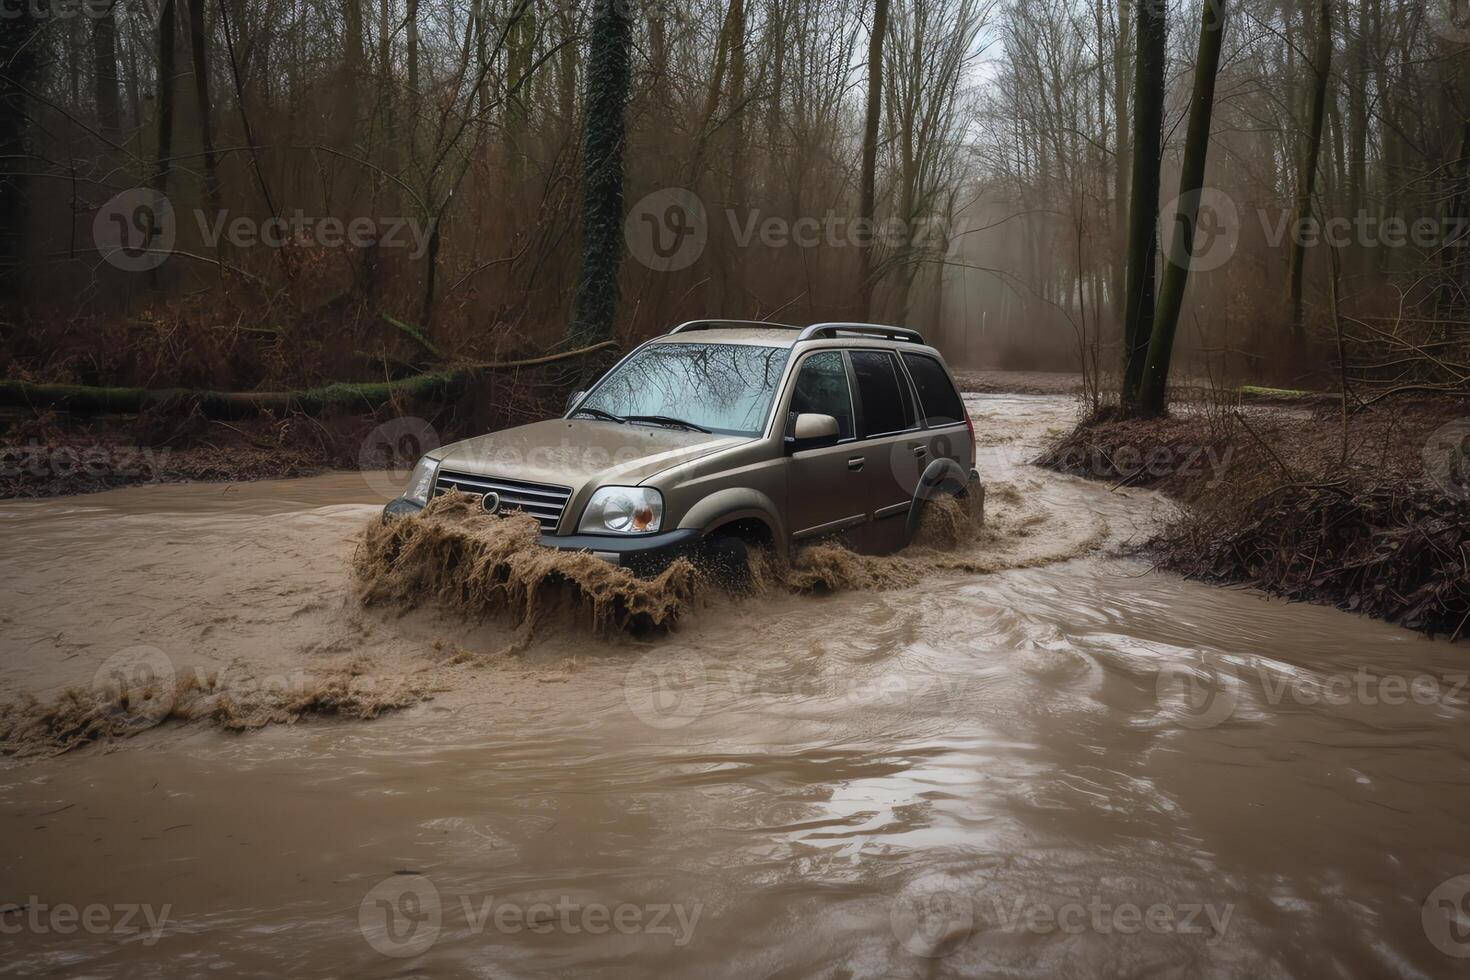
[827,492]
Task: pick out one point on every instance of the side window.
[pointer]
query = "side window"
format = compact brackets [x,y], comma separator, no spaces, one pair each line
[939,402]
[821,387]
[884,393]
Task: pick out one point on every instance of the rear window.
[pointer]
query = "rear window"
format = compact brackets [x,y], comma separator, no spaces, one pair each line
[939,402]
[884,396]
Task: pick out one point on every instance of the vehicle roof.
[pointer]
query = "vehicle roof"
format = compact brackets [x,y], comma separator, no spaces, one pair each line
[773,337]
[783,337]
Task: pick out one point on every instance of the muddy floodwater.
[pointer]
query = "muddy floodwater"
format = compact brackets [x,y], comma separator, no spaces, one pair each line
[1065,765]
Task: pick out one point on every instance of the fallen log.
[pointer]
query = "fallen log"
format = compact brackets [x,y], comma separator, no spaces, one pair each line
[343,396]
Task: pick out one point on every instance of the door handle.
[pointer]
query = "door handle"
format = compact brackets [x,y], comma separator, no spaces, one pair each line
[921,451]
[856,462]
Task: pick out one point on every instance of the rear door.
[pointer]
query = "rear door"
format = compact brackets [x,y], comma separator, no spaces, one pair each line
[827,493]
[891,443]
[942,409]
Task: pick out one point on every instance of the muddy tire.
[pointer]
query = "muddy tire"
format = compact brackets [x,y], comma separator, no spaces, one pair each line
[726,559]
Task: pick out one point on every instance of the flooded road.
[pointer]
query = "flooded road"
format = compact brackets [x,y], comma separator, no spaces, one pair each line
[1072,766]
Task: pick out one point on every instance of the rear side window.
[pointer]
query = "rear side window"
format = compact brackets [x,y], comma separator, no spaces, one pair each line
[821,388]
[938,400]
[884,395]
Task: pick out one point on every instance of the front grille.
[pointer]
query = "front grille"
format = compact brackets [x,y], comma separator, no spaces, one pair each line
[542,501]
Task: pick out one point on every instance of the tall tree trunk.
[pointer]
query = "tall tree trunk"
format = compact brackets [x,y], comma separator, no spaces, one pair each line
[1151,394]
[609,73]
[411,42]
[167,72]
[21,57]
[1357,124]
[1307,183]
[868,195]
[199,53]
[104,73]
[1121,163]
[1148,124]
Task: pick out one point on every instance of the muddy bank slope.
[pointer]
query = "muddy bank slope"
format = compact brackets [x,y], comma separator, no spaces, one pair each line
[1373,517]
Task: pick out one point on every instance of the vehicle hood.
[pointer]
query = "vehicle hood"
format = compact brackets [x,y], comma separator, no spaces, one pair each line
[572,452]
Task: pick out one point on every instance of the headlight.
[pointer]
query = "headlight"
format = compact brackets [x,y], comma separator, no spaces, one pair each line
[421,481]
[623,510]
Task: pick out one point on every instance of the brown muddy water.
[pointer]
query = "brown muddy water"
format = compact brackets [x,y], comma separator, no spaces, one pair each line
[1040,759]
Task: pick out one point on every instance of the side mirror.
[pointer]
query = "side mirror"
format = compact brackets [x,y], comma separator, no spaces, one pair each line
[812,431]
[572,399]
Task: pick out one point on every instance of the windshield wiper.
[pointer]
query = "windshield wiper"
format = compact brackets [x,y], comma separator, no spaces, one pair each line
[598,413]
[667,420]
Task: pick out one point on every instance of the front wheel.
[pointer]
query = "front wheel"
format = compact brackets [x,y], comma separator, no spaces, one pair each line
[726,559]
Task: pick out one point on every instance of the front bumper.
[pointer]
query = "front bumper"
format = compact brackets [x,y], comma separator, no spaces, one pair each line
[640,552]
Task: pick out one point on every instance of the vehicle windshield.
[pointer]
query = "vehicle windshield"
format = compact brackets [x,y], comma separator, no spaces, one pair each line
[725,388]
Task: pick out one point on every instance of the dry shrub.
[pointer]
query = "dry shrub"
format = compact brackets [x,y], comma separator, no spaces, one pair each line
[1398,552]
[1303,511]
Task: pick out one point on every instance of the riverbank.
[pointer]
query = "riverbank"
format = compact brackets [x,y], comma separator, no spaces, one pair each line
[1370,514]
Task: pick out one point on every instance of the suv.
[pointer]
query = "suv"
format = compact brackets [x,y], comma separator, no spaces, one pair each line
[727,434]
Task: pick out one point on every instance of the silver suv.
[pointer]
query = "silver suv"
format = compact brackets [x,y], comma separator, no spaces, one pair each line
[725,434]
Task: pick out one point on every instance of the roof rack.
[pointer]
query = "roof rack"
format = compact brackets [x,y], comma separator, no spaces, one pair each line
[722,324]
[822,330]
